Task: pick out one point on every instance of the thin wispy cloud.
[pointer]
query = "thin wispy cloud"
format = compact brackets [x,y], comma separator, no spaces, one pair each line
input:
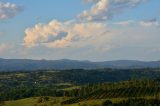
[150,23]
[4,47]
[143,23]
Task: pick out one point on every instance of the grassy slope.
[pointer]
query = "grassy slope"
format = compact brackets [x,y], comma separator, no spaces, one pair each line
[71,88]
[32,101]
[25,102]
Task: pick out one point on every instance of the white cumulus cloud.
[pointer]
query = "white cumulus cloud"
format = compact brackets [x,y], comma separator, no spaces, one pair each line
[106,9]
[9,10]
[88,32]
[57,34]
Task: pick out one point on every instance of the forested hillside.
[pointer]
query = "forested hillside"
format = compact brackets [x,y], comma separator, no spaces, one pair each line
[81,85]
[63,64]
[15,85]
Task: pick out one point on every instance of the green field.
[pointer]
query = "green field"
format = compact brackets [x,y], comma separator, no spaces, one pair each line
[56,101]
[34,101]
[51,102]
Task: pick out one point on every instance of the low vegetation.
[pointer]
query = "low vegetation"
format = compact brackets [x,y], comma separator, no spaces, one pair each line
[132,87]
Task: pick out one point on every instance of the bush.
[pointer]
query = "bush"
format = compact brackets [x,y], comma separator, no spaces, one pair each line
[40,100]
[107,103]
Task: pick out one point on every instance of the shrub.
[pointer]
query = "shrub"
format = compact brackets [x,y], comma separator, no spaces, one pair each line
[107,103]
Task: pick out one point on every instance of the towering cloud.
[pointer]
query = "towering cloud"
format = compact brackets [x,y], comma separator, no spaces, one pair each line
[9,10]
[106,9]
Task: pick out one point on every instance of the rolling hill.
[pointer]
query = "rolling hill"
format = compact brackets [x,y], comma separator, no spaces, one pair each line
[27,64]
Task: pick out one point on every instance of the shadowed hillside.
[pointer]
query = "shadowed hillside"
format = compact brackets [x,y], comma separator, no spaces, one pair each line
[26,64]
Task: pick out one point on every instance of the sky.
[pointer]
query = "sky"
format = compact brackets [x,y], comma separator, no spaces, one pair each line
[95,30]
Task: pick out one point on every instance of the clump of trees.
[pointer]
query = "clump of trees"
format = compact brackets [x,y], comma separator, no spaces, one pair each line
[134,102]
[107,103]
[43,99]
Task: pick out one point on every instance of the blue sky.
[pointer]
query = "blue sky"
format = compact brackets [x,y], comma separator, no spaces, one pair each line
[95,30]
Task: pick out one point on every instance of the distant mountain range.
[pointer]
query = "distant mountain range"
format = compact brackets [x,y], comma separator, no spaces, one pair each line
[27,64]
